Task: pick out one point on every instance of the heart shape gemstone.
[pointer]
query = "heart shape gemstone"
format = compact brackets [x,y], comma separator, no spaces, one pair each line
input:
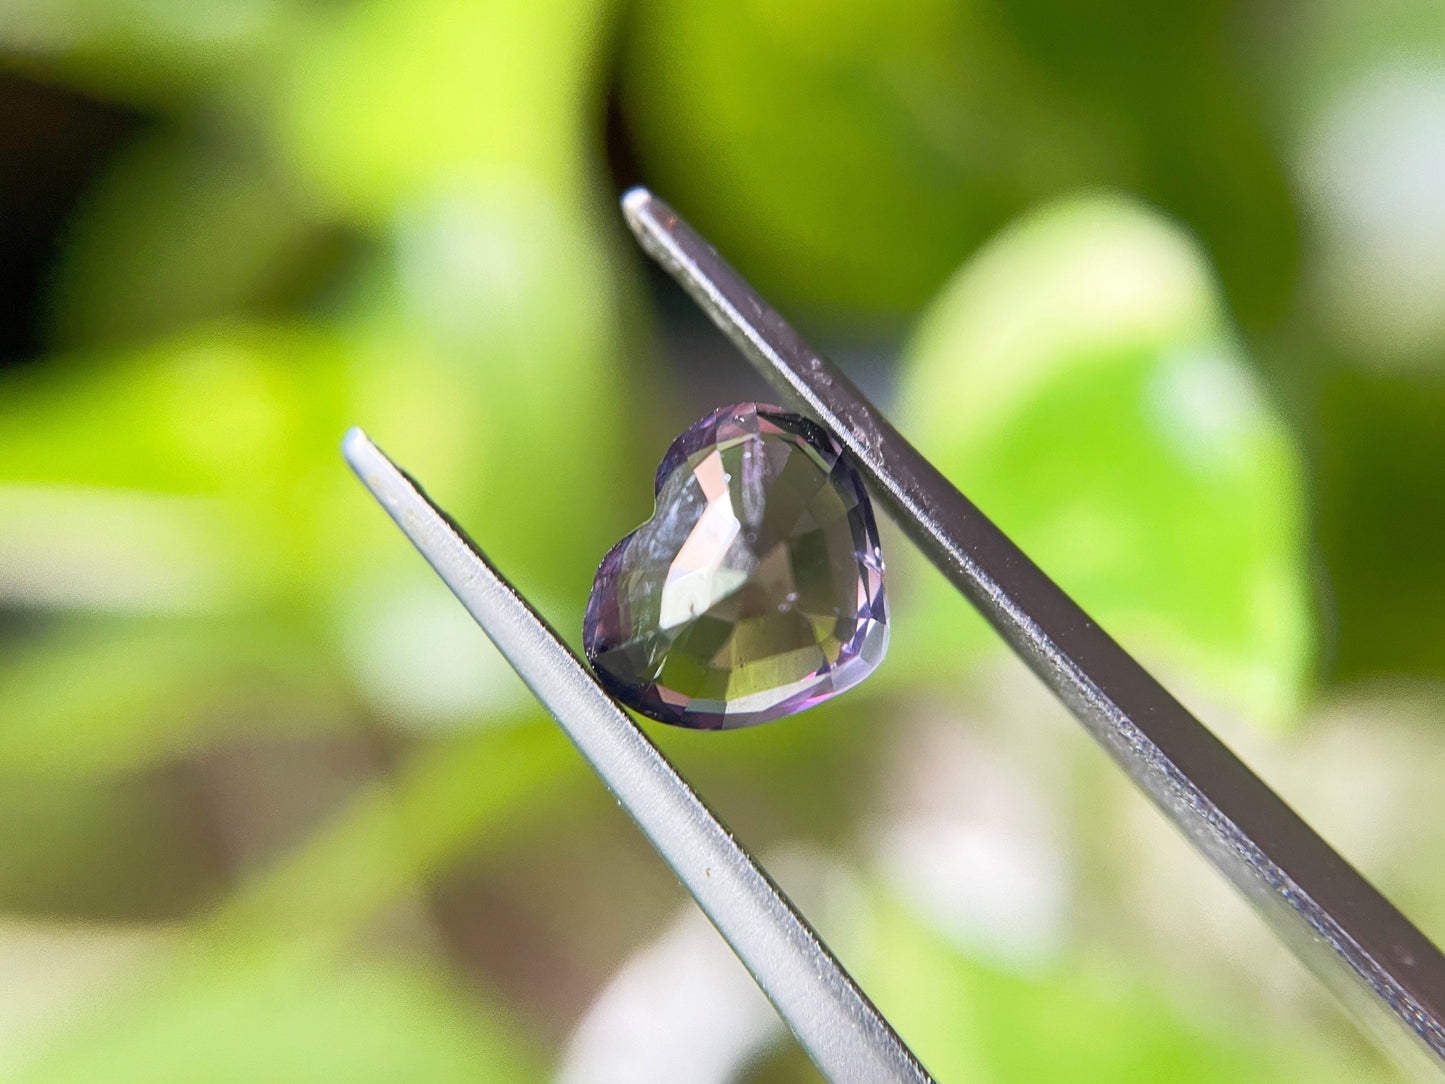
[756,588]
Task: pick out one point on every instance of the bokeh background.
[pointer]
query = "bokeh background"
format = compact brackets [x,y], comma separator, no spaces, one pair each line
[1161,286]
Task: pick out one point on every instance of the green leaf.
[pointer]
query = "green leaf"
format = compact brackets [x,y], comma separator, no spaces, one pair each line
[159,55]
[88,699]
[217,410]
[968,1022]
[388,101]
[248,417]
[262,988]
[488,332]
[1379,441]
[447,798]
[121,848]
[183,228]
[845,156]
[1080,383]
[280,1021]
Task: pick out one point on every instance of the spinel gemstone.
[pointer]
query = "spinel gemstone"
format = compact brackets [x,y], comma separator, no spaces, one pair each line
[756,588]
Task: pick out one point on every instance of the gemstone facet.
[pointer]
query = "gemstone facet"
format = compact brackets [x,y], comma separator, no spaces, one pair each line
[756,588]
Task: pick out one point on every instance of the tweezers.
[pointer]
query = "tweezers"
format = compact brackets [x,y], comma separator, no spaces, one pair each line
[1383,968]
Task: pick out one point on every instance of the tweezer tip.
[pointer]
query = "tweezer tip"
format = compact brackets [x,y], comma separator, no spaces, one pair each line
[355,444]
[367,461]
[636,202]
[635,198]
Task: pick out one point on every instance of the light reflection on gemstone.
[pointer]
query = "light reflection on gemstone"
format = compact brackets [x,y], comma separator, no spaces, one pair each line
[756,588]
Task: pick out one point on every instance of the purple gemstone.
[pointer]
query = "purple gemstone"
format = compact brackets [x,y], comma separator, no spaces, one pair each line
[756,588]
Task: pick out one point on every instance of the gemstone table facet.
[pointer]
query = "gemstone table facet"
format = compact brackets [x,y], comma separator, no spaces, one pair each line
[756,588]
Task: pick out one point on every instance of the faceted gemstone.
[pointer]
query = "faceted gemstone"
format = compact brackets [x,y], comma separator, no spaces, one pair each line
[756,588]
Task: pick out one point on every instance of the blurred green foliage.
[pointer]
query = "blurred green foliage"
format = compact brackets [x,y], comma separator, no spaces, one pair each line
[367,1023]
[1097,1027]
[1125,303]
[1080,374]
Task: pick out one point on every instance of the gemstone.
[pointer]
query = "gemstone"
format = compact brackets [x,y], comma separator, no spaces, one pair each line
[756,588]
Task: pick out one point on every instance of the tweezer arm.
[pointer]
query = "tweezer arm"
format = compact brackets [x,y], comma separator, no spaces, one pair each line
[834,1022]
[1333,919]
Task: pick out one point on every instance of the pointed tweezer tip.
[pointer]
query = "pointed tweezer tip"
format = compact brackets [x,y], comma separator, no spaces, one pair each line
[634,200]
[356,443]
[367,461]
[647,217]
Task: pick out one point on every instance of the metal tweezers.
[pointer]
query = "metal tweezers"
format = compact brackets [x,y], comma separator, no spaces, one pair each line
[1382,967]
